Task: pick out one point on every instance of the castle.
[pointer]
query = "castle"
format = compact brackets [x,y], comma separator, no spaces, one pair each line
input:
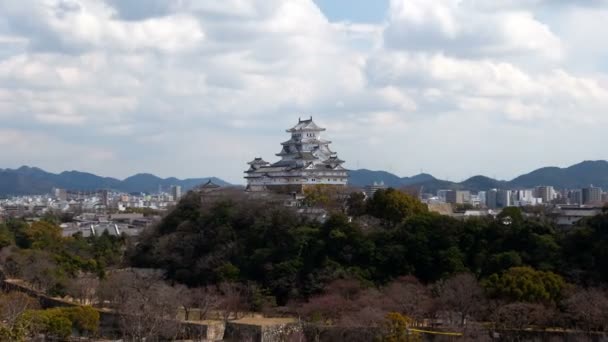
[306,160]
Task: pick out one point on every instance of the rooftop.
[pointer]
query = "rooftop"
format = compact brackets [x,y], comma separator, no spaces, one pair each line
[305,125]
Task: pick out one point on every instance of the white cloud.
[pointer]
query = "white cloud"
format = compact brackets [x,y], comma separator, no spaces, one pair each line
[203,86]
[461,28]
[90,24]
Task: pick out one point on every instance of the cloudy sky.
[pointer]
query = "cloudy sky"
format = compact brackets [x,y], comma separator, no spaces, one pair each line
[193,88]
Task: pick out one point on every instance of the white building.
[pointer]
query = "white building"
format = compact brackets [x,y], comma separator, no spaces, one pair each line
[306,160]
[176,192]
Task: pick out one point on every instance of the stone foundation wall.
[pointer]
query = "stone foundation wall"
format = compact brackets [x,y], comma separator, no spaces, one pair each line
[237,332]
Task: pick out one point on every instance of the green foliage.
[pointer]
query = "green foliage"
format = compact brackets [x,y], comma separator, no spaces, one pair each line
[514,214]
[227,272]
[293,257]
[60,322]
[51,218]
[394,206]
[524,284]
[43,235]
[586,249]
[85,319]
[18,227]
[46,259]
[396,328]
[6,236]
[12,306]
[503,261]
[48,322]
[17,332]
[325,196]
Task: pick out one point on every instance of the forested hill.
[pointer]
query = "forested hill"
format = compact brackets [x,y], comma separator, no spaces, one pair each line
[391,235]
[31,180]
[573,177]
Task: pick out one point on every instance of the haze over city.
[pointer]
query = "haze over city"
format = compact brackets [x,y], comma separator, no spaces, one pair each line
[198,88]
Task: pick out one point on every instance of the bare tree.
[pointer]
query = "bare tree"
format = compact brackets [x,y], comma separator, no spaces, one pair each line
[337,299]
[408,296]
[150,312]
[13,304]
[519,316]
[117,287]
[345,303]
[185,300]
[588,308]
[39,270]
[461,294]
[232,302]
[205,299]
[83,289]
[147,306]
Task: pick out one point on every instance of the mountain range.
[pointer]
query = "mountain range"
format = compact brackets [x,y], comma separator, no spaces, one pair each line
[574,177]
[31,180]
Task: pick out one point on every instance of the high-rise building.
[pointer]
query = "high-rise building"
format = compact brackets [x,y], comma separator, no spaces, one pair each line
[306,160]
[481,197]
[457,197]
[176,192]
[105,197]
[503,198]
[592,195]
[441,194]
[545,193]
[575,196]
[524,197]
[370,190]
[491,199]
[60,194]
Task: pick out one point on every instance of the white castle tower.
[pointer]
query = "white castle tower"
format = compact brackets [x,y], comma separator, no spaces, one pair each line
[305,160]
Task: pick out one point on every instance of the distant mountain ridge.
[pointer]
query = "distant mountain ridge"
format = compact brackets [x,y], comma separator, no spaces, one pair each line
[573,177]
[32,180]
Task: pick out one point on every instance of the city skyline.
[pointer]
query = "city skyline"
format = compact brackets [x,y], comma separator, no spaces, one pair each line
[453,88]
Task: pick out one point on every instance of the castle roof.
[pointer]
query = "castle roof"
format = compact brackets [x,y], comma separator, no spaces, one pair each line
[209,185]
[258,161]
[311,141]
[333,160]
[305,125]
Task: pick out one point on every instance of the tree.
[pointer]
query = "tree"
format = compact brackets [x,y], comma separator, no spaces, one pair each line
[40,270]
[462,294]
[366,310]
[205,299]
[147,306]
[83,289]
[232,302]
[17,227]
[324,196]
[6,236]
[397,328]
[406,295]
[527,285]
[12,306]
[588,308]
[58,323]
[43,235]
[510,216]
[355,204]
[519,316]
[338,299]
[503,261]
[394,206]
